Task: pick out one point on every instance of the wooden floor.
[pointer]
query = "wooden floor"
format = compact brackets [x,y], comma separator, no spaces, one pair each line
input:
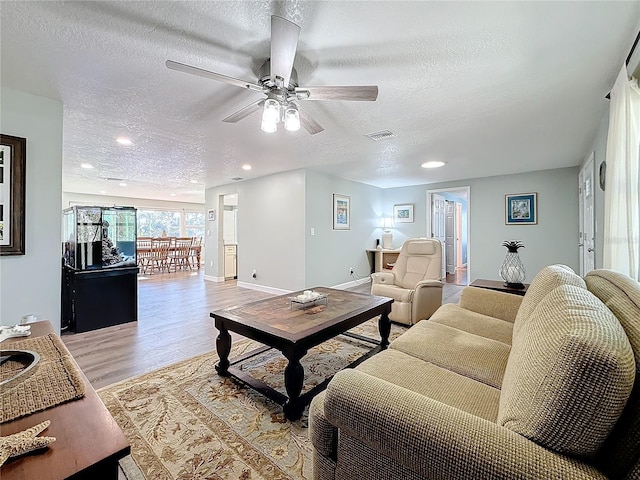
[173,324]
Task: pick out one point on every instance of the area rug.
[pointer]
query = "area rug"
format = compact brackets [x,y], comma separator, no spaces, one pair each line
[186,422]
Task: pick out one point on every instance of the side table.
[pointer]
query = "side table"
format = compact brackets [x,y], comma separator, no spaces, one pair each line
[499,286]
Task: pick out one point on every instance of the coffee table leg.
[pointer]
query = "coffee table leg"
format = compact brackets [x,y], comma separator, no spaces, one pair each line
[293,380]
[384,326]
[223,347]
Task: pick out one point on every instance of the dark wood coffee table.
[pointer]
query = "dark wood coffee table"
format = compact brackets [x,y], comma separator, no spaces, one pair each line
[294,329]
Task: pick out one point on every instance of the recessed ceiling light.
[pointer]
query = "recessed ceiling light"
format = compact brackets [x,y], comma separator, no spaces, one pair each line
[122,184]
[103,191]
[123,141]
[246,166]
[194,181]
[86,165]
[432,164]
[172,194]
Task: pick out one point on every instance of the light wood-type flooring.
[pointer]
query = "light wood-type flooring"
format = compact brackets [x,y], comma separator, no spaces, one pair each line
[173,325]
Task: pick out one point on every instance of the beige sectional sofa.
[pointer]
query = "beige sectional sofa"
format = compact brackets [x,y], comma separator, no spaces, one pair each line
[498,386]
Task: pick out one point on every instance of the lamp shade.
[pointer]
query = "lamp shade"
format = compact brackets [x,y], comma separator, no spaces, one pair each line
[387,223]
[292,118]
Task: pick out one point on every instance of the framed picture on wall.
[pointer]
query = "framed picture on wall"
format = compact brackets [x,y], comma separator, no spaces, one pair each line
[403,213]
[212,215]
[341,212]
[13,157]
[521,209]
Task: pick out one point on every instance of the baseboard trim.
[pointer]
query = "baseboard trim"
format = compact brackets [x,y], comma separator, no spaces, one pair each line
[351,284]
[263,288]
[211,278]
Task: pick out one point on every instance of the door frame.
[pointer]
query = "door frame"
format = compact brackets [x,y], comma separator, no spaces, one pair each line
[587,168]
[467,193]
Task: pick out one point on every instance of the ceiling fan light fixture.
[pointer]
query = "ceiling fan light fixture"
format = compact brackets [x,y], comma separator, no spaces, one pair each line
[292,118]
[268,126]
[271,112]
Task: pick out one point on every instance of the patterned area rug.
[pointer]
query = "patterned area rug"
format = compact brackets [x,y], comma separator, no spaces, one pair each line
[185,422]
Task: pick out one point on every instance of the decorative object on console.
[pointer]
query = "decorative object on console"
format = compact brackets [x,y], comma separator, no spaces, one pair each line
[521,208]
[24,442]
[341,212]
[512,270]
[12,194]
[403,213]
[387,237]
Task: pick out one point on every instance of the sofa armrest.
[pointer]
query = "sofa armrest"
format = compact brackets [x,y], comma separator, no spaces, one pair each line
[383,277]
[435,440]
[490,302]
[427,298]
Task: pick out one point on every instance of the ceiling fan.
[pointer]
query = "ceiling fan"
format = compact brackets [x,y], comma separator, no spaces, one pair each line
[279,82]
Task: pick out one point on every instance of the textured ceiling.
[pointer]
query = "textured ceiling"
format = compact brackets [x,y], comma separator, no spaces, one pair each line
[490,88]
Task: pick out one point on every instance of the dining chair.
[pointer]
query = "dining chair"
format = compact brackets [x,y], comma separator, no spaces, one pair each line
[179,253]
[143,252]
[159,255]
[195,252]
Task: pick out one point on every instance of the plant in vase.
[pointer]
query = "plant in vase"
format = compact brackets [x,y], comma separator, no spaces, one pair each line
[512,271]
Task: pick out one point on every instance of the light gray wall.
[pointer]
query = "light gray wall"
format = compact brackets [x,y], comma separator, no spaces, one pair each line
[270,230]
[552,240]
[31,283]
[330,253]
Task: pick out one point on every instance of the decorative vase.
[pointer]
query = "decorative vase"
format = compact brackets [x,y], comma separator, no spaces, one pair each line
[512,270]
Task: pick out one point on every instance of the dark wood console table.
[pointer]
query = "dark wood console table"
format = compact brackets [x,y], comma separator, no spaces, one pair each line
[498,286]
[88,443]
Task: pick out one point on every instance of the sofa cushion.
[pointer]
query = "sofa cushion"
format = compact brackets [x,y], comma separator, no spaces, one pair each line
[473,356]
[569,374]
[472,322]
[621,294]
[544,282]
[434,382]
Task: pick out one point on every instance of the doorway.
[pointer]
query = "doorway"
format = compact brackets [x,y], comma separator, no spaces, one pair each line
[586,240]
[230,236]
[448,221]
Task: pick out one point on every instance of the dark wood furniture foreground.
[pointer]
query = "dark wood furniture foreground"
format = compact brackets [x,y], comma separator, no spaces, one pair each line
[293,330]
[499,286]
[88,443]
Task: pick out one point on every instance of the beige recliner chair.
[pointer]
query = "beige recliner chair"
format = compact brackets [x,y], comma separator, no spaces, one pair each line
[414,282]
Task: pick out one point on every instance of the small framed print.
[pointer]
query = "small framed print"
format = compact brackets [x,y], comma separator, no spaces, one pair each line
[521,209]
[212,215]
[403,213]
[341,212]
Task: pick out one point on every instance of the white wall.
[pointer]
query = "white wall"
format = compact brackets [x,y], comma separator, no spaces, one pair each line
[270,221]
[552,240]
[31,283]
[109,201]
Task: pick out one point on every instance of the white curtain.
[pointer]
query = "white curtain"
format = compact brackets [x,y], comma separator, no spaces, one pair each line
[621,198]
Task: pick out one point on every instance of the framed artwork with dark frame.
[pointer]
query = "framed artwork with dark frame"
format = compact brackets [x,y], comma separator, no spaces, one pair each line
[403,213]
[13,160]
[521,209]
[341,212]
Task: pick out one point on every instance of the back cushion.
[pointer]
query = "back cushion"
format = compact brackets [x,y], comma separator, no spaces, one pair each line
[621,452]
[569,374]
[544,282]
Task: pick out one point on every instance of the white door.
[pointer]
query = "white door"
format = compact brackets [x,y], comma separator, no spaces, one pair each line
[587,217]
[459,263]
[450,236]
[437,224]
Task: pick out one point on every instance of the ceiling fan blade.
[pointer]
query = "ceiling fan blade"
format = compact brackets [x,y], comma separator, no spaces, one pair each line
[284,41]
[364,93]
[181,67]
[308,123]
[244,112]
